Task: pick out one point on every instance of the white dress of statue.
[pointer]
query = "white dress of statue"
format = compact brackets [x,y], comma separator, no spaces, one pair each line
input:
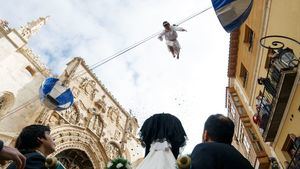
[160,156]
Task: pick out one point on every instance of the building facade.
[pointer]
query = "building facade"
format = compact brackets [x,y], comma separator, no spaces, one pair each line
[95,129]
[263,89]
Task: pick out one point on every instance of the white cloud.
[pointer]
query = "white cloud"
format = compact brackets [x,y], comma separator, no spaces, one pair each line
[146,79]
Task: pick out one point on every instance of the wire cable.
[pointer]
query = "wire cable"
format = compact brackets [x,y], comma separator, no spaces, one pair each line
[105,60]
[119,53]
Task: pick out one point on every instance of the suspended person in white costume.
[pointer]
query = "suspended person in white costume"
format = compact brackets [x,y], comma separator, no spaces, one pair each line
[163,135]
[170,34]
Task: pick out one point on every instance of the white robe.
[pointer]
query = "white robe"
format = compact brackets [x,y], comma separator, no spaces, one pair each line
[159,157]
[171,37]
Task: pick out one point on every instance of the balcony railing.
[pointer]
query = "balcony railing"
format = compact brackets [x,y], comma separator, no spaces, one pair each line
[278,85]
[295,161]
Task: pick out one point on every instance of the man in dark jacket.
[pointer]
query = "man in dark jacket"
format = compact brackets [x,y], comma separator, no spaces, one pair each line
[216,151]
[35,143]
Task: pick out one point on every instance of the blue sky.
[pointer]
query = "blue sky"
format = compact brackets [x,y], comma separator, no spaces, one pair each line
[147,79]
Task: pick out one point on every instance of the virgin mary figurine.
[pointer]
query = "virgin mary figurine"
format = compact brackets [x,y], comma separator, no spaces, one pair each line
[162,135]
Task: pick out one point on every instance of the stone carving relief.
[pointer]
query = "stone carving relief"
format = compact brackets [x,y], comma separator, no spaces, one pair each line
[35,58]
[75,92]
[95,123]
[130,128]
[26,32]
[33,27]
[4,25]
[89,87]
[101,105]
[117,135]
[72,114]
[82,106]
[55,119]
[113,114]
[112,150]
[6,102]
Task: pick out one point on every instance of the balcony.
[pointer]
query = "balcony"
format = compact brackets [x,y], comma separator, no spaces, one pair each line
[245,135]
[278,85]
[293,150]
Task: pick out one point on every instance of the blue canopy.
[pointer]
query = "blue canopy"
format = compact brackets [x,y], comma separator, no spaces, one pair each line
[54,95]
[232,13]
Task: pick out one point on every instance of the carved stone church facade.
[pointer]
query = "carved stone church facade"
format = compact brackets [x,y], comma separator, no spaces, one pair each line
[95,129]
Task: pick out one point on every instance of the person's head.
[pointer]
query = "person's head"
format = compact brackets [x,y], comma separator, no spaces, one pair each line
[218,128]
[166,25]
[36,137]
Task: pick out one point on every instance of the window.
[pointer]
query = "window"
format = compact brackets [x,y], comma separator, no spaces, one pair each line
[241,111]
[246,144]
[30,70]
[232,111]
[244,75]
[291,150]
[270,54]
[241,131]
[244,139]
[249,37]
[288,147]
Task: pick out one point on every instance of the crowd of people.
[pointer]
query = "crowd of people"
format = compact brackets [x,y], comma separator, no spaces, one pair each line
[162,135]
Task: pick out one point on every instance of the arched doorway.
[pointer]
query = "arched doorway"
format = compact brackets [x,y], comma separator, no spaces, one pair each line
[68,138]
[74,159]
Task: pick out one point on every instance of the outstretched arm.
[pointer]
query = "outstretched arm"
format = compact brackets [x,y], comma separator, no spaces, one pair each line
[160,36]
[176,28]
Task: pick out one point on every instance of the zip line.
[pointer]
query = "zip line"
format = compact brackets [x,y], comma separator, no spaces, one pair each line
[105,60]
[119,53]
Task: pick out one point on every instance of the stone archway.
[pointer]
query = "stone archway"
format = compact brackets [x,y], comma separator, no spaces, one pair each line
[68,138]
[74,159]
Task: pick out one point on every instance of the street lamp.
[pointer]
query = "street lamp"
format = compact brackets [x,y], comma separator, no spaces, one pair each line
[284,54]
[287,57]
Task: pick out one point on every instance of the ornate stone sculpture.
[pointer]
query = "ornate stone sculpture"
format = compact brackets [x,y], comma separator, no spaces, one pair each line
[4,25]
[89,87]
[96,122]
[32,27]
[112,151]
[113,114]
[101,105]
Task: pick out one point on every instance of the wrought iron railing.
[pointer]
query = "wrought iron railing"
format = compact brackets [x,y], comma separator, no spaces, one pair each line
[278,83]
[295,161]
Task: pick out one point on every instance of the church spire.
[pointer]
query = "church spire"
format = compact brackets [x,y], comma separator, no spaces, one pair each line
[32,27]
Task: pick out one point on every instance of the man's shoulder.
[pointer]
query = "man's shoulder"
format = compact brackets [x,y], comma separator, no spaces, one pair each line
[33,160]
[212,145]
[207,156]
[211,154]
[35,154]
[215,148]
[32,154]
